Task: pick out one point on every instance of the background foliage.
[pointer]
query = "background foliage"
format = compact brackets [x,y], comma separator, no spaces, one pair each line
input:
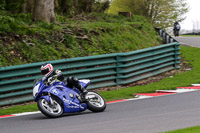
[22,41]
[67,7]
[82,28]
[161,13]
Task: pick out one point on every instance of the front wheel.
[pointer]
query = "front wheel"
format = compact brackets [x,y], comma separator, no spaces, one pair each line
[95,102]
[50,110]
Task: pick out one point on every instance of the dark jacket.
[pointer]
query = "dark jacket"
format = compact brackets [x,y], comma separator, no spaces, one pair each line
[177,26]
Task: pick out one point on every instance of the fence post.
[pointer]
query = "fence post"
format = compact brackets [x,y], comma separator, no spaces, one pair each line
[167,39]
[171,40]
[176,55]
[118,69]
[164,37]
[160,32]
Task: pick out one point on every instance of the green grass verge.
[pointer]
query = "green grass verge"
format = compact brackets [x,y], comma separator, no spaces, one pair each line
[191,55]
[186,130]
[18,109]
[190,35]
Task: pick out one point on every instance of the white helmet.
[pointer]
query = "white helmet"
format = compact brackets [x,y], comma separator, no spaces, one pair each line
[46,69]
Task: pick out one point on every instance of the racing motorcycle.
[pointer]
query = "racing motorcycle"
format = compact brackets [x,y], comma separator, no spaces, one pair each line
[56,98]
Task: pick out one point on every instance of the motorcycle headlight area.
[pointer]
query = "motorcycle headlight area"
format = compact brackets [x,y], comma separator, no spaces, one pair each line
[35,90]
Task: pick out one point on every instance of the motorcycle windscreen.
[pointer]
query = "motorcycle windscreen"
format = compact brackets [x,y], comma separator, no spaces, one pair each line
[84,82]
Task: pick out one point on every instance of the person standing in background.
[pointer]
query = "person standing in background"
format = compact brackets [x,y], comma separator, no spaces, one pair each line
[176,29]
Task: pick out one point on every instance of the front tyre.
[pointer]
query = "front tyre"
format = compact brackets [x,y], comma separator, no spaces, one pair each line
[50,110]
[95,102]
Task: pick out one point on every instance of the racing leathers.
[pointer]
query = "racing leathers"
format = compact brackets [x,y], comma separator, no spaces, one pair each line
[69,82]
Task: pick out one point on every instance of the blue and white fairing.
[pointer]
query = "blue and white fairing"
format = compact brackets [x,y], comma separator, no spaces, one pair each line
[67,95]
[84,82]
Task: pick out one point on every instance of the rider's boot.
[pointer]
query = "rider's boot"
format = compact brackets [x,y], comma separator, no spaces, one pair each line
[83,92]
[79,86]
[74,82]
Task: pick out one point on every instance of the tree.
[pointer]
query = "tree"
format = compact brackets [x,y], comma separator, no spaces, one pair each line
[161,13]
[44,11]
[76,7]
[27,6]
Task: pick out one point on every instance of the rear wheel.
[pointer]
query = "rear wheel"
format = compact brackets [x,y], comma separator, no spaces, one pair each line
[51,110]
[95,102]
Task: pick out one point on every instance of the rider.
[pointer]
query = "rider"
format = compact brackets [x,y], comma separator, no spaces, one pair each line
[51,75]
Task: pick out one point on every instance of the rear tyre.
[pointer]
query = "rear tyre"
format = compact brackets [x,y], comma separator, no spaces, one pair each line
[53,111]
[95,102]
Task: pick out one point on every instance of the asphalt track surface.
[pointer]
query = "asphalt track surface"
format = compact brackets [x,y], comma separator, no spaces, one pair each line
[189,41]
[151,115]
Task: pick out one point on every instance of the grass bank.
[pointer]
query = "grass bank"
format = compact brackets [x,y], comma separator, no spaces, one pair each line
[23,41]
[191,57]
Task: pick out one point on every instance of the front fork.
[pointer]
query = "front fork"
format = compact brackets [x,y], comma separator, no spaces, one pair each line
[50,99]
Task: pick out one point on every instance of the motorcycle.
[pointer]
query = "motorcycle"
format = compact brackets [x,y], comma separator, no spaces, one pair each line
[56,98]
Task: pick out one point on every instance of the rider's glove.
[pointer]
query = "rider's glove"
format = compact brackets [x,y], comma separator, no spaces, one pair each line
[50,79]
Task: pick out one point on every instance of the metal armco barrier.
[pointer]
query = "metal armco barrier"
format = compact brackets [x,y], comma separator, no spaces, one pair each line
[165,36]
[16,82]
